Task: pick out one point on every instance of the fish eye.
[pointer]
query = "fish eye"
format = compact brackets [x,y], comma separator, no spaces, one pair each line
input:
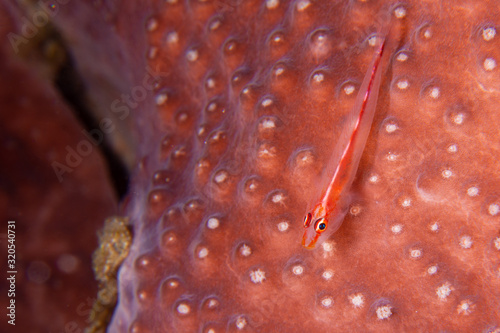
[307,220]
[320,225]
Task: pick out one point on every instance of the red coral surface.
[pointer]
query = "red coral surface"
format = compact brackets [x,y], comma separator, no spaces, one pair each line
[249,113]
[249,100]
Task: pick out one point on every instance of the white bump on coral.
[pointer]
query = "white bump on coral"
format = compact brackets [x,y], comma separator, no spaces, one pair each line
[221,177]
[415,253]
[267,123]
[173,283]
[402,57]
[230,46]
[446,174]
[213,223]
[278,38]
[392,157]
[327,246]
[161,99]
[302,5]
[320,38]
[151,25]
[252,185]
[372,41]
[305,158]
[489,33]
[183,308]
[212,303]
[298,269]
[472,191]
[373,179]
[245,250]
[283,226]
[266,151]
[182,117]
[257,276]
[434,92]
[496,243]
[144,262]
[241,322]
[358,300]
[405,202]
[318,77]
[278,70]
[489,64]
[465,307]
[493,209]
[327,274]
[192,55]
[355,210]
[402,84]
[193,204]
[400,12]
[434,227]
[466,242]
[169,237]
[384,312]
[172,38]
[266,102]
[327,301]
[444,291]
[210,83]
[452,148]
[271,4]
[458,118]
[278,198]
[397,228]
[214,25]
[390,128]
[432,270]
[349,89]
[202,253]
[211,107]
[427,33]
[218,135]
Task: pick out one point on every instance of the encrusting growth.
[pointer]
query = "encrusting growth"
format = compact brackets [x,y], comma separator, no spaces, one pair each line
[115,240]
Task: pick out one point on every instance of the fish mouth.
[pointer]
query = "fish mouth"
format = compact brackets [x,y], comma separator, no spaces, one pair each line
[311,244]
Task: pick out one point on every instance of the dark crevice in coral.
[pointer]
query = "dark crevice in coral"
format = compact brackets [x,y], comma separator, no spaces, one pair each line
[71,87]
[50,55]
[52,51]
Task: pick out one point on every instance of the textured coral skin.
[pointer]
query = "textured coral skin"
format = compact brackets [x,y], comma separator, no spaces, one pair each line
[420,249]
[255,97]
